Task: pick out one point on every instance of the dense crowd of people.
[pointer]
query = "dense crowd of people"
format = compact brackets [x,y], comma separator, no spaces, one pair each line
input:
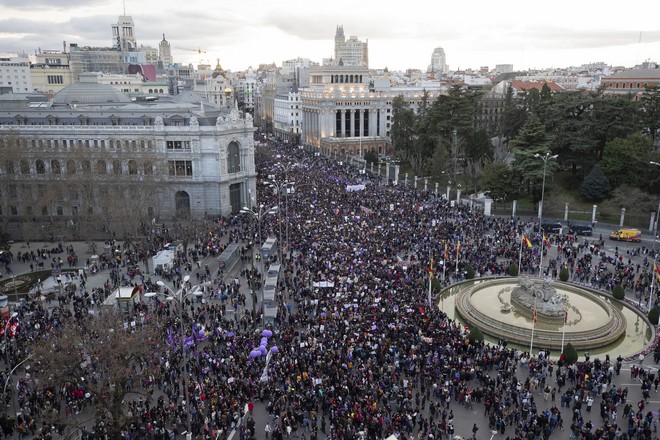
[361,354]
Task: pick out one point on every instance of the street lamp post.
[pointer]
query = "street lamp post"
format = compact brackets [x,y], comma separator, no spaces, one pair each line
[178,297]
[657,220]
[279,186]
[655,237]
[545,159]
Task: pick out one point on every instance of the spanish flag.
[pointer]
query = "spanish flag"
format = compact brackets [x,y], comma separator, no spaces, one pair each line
[566,313]
[458,248]
[545,241]
[446,251]
[534,315]
[431,268]
[656,269]
[526,241]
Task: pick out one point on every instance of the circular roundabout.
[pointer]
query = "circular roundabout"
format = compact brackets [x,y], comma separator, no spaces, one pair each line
[504,308]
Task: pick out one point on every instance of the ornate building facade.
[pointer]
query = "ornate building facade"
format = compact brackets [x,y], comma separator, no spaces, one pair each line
[91,156]
[346,113]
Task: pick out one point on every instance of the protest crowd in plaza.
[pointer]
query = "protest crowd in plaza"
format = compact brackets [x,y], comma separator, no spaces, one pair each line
[364,358]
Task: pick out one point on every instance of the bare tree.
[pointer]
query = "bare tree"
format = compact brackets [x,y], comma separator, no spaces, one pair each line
[104,355]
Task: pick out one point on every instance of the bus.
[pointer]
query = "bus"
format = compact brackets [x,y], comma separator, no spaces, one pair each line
[269,248]
[274,270]
[229,257]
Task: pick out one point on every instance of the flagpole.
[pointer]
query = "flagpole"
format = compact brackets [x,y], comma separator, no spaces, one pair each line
[563,332]
[444,264]
[531,342]
[541,249]
[520,256]
[430,278]
[654,275]
[458,255]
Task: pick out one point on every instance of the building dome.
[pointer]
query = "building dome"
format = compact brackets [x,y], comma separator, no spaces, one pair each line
[89,91]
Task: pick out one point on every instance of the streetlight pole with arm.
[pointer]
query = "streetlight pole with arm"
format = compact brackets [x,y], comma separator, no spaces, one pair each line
[179,297]
[655,237]
[545,159]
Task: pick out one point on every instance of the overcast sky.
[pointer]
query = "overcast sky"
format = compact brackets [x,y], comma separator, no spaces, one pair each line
[401,34]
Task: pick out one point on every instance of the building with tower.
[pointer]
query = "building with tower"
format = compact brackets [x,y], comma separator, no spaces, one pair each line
[438,64]
[164,54]
[123,34]
[351,52]
[346,111]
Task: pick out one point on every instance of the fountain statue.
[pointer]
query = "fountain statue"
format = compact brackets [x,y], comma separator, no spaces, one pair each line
[529,294]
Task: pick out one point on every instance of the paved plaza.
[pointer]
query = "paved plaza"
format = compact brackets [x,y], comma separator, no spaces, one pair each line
[407,386]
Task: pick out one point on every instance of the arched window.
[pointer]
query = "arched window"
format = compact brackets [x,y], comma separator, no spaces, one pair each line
[151,90]
[160,90]
[116,167]
[233,158]
[101,167]
[86,166]
[182,203]
[55,167]
[70,166]
[25,167]
[148,168]
[9,167]
[41,168]
[132,167]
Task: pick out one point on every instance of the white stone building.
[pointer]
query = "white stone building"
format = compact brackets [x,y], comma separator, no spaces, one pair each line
[347,113]
[91,153]
[15,74]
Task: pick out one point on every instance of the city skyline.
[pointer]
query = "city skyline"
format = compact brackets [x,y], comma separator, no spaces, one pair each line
[255,32]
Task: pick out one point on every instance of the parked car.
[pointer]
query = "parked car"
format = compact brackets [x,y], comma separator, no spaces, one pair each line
[627,234]
[581,230]
[550,228]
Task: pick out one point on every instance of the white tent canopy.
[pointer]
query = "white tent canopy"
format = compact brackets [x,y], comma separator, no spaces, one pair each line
[163,259]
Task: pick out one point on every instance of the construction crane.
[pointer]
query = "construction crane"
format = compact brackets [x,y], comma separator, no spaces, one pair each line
[199,51]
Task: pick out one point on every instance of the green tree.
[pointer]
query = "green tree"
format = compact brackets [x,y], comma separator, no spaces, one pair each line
[563,274]
[440,160]
[513,270]
[570,354]
[499,180]
[622,158]
[475,335]
[514,116]
[530,141]
[651,111]
[371,157]
[478,147]
[402,129]
[567,119]
[653,315]
[469,272]
[595,187]
[613,118]
[618,292]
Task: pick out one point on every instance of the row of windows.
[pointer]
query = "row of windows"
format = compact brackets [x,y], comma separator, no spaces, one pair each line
[56,143]
[55,167]
[180,168]
[629,85]
[59,210]
[178,145]
[55,79]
